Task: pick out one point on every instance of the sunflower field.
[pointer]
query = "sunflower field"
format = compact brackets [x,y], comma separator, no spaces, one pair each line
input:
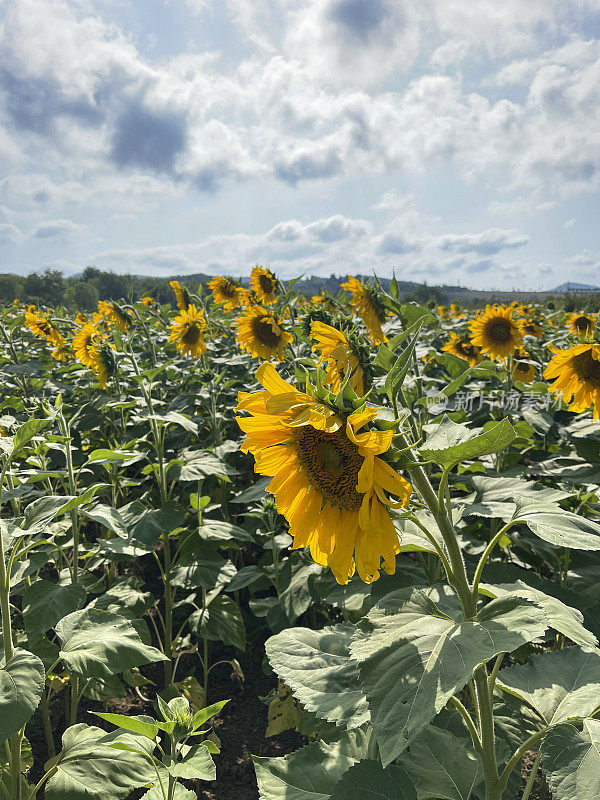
[261,545]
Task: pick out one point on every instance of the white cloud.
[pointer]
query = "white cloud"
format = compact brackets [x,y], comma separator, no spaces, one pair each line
[9,234]
[57,229]
[489,242]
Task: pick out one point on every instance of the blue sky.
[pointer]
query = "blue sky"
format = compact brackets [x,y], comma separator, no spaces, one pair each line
[453,141]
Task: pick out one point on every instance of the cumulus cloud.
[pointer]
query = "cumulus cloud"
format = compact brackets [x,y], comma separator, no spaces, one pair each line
[57,229]
[9,233]
[487,242]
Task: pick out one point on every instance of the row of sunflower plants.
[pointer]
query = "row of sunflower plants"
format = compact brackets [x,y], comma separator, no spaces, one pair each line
[421,443]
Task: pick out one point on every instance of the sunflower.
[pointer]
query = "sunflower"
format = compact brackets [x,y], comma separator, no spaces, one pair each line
[103,363]
[365,301]
[113,313]
[522,368]
[85,342]
[181,294]
[456,312]
[461,346]
[581,324]
[530,327]
[261,334]
[442,311]
[339,355]
[328,479]
[576,374]
[61,352]
[80,319]
[42,327]
[264,284]
[187,331]
[148,301]
[227,292]
[496,332]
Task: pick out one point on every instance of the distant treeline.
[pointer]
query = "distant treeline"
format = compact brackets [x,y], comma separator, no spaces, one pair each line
[82,292]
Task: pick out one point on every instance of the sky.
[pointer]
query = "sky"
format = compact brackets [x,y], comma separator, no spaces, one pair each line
[448,141]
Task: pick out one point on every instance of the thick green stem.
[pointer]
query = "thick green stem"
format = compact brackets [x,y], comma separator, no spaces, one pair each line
[48,733]
[441,512]
[66,433]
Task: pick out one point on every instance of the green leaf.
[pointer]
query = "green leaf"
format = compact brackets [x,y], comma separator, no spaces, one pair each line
[312,772]
[45,603]
[450,442]
[21,685]
[561,617]
[199,464]
[413,657]
[562,528]
[97,643]
[400,367]
[142,724]
[296,597]
[27,431]
[559,685]
[368,779]
[104,456]
[571,761]
[204,714]
[317,666]
[197,763]
[442,765]
[207,570]
[180,793]
[107,516]
[220,621]
[89,769]
[215,530]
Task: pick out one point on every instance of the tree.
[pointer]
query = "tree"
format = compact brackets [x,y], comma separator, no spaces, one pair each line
[81,296]
[11,287]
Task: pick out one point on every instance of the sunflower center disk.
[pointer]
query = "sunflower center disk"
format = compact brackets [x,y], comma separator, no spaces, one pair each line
[332,463]
[587,368]
[500,332]
[582,324]
[264,332]
[191,336]
[266,284]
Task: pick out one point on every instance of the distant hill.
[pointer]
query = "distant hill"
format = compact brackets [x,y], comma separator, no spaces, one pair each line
[576,287]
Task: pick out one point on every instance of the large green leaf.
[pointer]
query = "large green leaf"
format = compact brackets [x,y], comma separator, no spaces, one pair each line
[571,761]
[562,528]
[413,657]
[560,685]
[89,769]
[21,685]
[317,666]
[451,442]
[368,779]
[224,533]
[312,772]
[96,643]
[45,603]
[220,621]
[206,570]
[442,765]
[561,617]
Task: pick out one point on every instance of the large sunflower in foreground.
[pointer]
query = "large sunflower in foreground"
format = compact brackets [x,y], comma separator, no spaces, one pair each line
[85,342]
[522,367]
[462,347]
[496,332]
[42,327]
[187,331]
[227,293]
[263,283]
[576,374]
[261,333]
[329,481]
[581,324]
[182,295]
[365,301]
[340,356]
